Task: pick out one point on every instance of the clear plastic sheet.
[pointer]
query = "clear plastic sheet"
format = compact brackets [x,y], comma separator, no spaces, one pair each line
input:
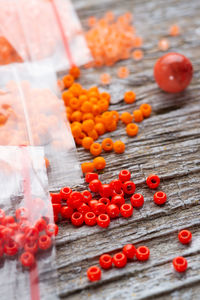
[24,196]
[31,114]
[45,29]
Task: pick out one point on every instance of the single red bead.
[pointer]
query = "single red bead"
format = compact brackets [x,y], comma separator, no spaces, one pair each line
[7,220]
[65,193]
[124,175]
[90,218]
[103,220]
[105,190]
[173,72]
[120,193]
[22,213]
[142,253]
[153,181]
[41,224]
[77,219]
[7,233]
[31,246]
[2,215]
[51,229]
[27,259]
[116,185]
[56,208]
[119,260]
[160,198]
[94,273]
[24,225]
[95,185]
[32,234]
[105,261]
[14,226]
[180,264]
[129,187]
[137,200]
[66,212]
[75,200]
[87,196]
[44,242]
[105,201]
[99,208]
[113,211]
[185,236]
[84,208]
[55,197]
[10,248]
[93,202]
[129,250]
[91,176]
[118,200]
[126,210]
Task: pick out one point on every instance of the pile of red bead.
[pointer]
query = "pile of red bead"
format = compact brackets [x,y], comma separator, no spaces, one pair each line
[19,236]
[129,252]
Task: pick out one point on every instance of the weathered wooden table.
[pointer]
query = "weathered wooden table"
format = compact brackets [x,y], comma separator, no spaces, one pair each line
[168,144]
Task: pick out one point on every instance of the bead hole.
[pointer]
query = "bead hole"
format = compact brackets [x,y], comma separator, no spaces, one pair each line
[126,207]
[43,239]
[184,233]
[103,217]
[90,215]
[94,270]
[119,256]
[180,261]
[66,190]
[159,194]
[153,180]
[142,250]
[106,258]
[77,215]
[136,196]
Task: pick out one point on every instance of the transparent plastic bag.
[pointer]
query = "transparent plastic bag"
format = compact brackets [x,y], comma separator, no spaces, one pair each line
[26,226]
[31,114]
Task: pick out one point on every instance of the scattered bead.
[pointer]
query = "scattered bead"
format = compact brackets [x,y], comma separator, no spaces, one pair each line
[105,261]
[132,129]
[87,167]
[137,54]
[113,211]
[137,200]
[123,72]
[126,117]
[160,198]
[129,187]
[120,260]
[103,220]
[185,236]
[174,30]
[90,219]
[126,210]
[142,253]
[107,144]
[138,115]
[145,109]
[91,176]
[99,163]
[129,250]
[153,181]
[180,264]
[105,78]
[94,273]
[95,185]
[27,259]
[163,45]
[129,97]
[124,175]
[77,219]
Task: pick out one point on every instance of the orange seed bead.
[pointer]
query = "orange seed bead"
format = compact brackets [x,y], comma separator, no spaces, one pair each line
[76,116]
[75,72]
[74,103]
[86,107]
[68,80]
[105,96]
[99,163]
[105,78]
[129,97]
[93,133]
[163,45]
[66,96]
[137,54]
[87,116]
[95,149]
[126,117]
[145,109]
[174,30]
[119,147]
[107,144]
[132,129]
[88,125]
[138,115]
[123,72]
[100,128]
[87,142]
[111,126]
[87,167]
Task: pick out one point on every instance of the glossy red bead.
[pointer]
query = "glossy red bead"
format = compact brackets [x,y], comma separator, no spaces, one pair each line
[14,226]
[7,220]
[77,219]
[124,175]
[129,250]
[105,261]
[51,229]
[95,185]
[137,200]
[105,190]
[173,72]
[93,202]
[2,215]
[160,198]
[31,234]
[119,260]
[55,197]
[41,224]
[185,236]
[66,212]
[65,193]
[118,200]
[90,219]
[24,225]
[22,213]
[84,208]
[27,259]
[116,185]
[44,242]
[129,187]
[87,196]
[75,200]
[153,181]
[126,210]
[56,208]
[10,248]
[91,176]
[99,208]
[105,201]
[94,273]
[7,233]
[103,220]
[142,253]
[113,211]
[180,264]
[120,193]
[31,246]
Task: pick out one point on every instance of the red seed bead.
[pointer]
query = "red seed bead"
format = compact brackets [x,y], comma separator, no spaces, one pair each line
[51,229]
[41,224]
[84,208]
[126,210]
[180,264]
[87,196]
[90,218]
[105,261]
[185,236]
[99,208]
[44,242]
[105,190]
[153,181]
[173,72]
[94,273]
[129,250]
[93,202]
[105,201]
[91,176]
[22,213]
[129,187]
[137,200]
[121,193]
[66,212]
[116,185]
[31,246]
[77,219]
[55,197]
[32,234]
[14,226]
[113,211]
[142,253]
[65,193]
[56,208]
[124,175]
[75,200]
[27,259]
[160,198]
[11,248]
[7,220]
[7,233]
[103,220]
[95,185]
[24,225]
[118,200]
[2,215]
[119,260]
